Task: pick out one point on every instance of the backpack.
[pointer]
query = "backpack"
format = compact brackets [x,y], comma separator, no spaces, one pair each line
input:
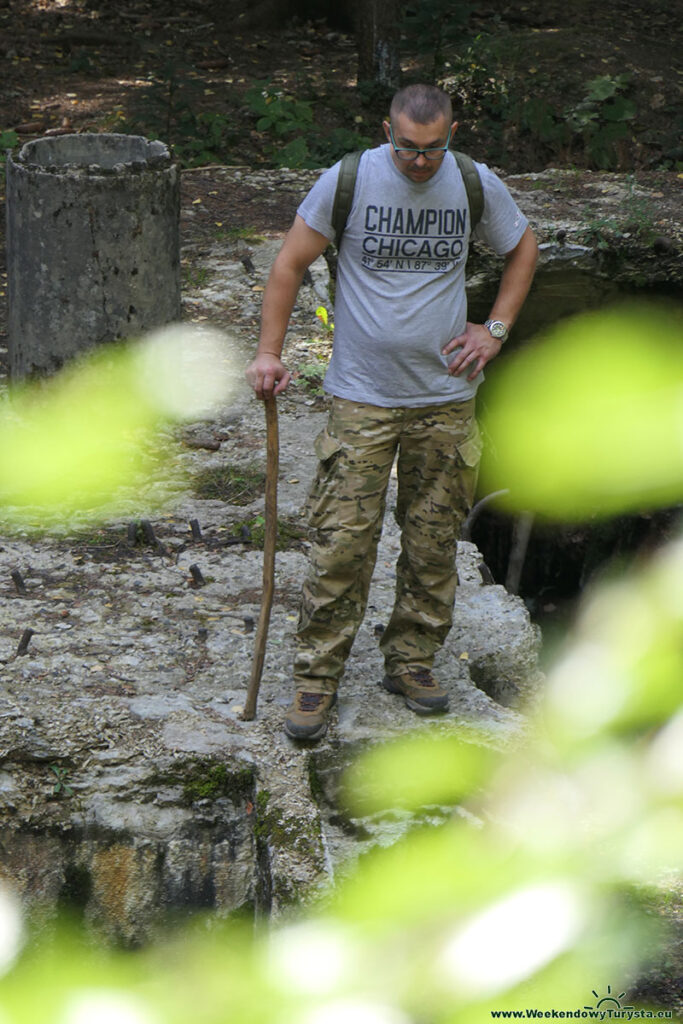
[346,186]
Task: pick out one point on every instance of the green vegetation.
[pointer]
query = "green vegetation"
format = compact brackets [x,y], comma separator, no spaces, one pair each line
[592,130]
[8,140]
[435,29]
[236,484]
[602,119]
[636,220]
[596,125]
[310,375]
[596,363]
[206,778]
[61,787]
[297,142]
[167,109]
[276,826]
[537,84]
[196,277]
[289,533]
[249,235]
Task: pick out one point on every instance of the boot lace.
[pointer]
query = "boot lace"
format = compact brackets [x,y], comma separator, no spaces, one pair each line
[311,701]
[422,676]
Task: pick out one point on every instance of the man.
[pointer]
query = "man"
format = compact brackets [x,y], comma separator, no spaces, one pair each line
[403,375]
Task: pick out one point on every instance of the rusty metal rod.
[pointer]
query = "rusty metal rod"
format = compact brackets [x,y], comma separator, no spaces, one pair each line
[25,641]
[197,576]
[18,581]
[269,544]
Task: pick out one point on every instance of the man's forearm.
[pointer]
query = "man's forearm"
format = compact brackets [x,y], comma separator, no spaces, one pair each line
[476,346]
[266,373]
[278,302]
[516,279]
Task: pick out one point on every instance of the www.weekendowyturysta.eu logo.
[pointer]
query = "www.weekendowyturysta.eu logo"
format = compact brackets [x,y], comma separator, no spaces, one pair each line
[607,1007]
[608,1002]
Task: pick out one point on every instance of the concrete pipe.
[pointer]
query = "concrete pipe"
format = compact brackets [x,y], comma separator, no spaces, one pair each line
[93,252]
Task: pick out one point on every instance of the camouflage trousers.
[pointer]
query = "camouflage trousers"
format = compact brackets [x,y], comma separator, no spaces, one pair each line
[438,451]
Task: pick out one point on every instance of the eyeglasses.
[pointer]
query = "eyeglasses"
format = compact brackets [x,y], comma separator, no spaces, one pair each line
[435,153]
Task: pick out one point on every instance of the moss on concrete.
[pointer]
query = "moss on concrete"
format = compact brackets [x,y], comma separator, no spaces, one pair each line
[276,827]
[207,778]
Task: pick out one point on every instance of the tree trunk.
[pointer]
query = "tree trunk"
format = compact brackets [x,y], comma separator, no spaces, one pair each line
[377,24]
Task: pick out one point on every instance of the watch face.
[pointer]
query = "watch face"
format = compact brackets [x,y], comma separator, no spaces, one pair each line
[497,329]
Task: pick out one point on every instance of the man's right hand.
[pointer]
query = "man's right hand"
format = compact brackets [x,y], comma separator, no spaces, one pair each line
[267,375]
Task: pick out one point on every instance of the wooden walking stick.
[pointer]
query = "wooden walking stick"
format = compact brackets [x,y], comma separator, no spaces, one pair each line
[269,543]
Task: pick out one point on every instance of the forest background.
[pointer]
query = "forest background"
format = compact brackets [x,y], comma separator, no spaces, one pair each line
[298,83]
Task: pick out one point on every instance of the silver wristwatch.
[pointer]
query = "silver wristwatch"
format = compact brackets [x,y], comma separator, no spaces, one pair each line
[497,329]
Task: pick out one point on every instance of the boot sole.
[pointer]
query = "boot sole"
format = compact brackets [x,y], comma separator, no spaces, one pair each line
[414,705]
[302,734]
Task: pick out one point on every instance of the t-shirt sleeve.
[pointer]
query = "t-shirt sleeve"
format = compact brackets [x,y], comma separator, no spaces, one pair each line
[316,209]
[503,223]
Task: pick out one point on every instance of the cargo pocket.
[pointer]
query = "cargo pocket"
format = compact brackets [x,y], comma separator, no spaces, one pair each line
[469,456]
[328,449]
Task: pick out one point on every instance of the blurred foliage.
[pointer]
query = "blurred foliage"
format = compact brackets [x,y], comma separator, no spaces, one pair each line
[537,892]
[77,440]
[598,430]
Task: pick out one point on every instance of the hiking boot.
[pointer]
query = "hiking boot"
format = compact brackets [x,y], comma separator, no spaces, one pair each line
[419,688]
[307,717]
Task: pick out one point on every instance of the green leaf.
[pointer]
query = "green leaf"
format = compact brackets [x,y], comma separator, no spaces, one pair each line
[620,109]
[602,88]
[293,154]
[417,771]
[598,430]
[8,139]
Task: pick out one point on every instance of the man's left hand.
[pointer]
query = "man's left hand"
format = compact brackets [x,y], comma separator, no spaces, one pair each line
[477,347]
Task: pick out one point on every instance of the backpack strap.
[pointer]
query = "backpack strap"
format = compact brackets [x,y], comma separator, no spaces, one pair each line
[473,187]
[343,197]
[346,186]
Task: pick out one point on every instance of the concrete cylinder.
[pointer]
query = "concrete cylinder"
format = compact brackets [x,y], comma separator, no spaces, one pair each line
[93,251]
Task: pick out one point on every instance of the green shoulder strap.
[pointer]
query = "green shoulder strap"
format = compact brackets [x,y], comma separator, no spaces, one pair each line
[473,187]
[343,197]
[346,185]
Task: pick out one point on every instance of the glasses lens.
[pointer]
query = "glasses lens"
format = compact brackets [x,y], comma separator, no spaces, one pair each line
[412,154]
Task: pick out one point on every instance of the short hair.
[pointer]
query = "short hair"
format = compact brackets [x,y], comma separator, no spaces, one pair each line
[422,104]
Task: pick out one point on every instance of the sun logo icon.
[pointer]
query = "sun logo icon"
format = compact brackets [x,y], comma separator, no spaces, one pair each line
[608,1002]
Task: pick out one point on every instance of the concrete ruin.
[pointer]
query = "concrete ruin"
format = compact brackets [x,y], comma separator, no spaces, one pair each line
[92,245]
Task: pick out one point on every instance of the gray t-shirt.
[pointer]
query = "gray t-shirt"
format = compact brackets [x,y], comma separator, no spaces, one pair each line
[400,293]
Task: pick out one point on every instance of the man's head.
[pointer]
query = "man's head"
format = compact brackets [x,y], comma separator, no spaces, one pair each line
[421,118]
